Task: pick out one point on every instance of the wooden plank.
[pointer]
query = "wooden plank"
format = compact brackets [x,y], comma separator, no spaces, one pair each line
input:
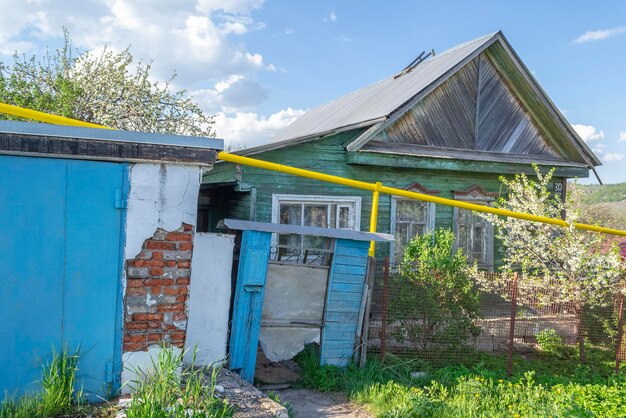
[356,270]
[350,260]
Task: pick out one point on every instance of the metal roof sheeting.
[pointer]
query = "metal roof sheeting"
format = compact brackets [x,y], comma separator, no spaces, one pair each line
[377,101]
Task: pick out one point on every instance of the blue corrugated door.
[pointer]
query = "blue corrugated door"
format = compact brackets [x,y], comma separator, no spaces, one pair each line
[60,249]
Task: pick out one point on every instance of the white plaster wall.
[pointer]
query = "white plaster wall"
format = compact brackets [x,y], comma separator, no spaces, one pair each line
[161,196]
[209,297]
[140,363]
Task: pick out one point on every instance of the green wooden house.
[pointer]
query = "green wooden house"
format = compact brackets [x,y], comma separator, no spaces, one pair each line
[449,124]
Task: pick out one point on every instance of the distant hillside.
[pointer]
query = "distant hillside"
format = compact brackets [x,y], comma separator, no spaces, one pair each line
[604,193]
[607,203]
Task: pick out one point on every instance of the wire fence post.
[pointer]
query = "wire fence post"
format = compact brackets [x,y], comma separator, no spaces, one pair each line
[385,307]
[509,364]
[620,331]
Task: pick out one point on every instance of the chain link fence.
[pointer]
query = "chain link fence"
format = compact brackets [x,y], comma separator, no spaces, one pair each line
[409,322]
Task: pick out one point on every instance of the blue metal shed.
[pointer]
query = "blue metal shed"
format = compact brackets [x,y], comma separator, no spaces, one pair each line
[63,194]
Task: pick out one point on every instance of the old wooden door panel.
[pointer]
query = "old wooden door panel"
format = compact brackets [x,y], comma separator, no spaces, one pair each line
[343,301]
[248,304]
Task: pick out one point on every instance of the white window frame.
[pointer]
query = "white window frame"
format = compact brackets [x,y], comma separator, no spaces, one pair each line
[429,226]
[478,198]
[340,201]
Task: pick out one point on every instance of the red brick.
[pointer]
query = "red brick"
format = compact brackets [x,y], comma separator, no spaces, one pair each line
[179,316]
[137,263]
[160,245]
[170,263]
[147,317]
[136,325]
[182,298]
[156,271]
[157,255]
[126,338]
[179,335]
[171,291]
[183,281]
[185,246]
[154,263]
[154,337]
[187,227]
[184,264]
[178,236]
[135,347]
[134,283]
[171,308]
[159,282]
[136,291]
[137,338]
[183,291]
[179,344]
[155,290]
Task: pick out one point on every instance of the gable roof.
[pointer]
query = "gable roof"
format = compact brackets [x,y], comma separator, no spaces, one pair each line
[381,103]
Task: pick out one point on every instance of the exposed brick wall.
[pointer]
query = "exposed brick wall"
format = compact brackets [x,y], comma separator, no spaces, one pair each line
[157,286]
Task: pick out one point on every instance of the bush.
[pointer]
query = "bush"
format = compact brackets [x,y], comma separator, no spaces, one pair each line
[549,341]
[434,300]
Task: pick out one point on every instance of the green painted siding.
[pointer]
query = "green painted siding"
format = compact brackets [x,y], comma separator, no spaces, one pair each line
[328,156]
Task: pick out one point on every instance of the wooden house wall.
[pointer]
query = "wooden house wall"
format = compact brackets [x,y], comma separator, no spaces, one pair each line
[328,156]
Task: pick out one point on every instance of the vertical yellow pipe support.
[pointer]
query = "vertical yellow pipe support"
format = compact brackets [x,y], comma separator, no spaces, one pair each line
[374,215]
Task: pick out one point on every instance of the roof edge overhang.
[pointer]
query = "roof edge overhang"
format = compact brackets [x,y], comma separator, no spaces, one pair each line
[466,161]
[54,141]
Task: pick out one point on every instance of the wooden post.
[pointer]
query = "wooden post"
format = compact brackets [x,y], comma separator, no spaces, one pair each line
[509,364]
[620,331]
[383,326]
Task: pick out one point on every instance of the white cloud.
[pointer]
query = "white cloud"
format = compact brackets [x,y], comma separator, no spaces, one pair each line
[196,38]
[612,156]
[332,17]
[243,129]
[588,133]
[598,35]
[622,136]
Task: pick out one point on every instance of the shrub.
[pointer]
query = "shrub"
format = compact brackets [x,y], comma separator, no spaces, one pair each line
[549,341]
[434,300]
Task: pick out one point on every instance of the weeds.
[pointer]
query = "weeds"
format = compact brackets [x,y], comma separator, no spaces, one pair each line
[169,391]
[58,396]
[546,386]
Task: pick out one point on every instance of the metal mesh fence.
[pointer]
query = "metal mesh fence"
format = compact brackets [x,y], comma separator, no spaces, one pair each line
[412,322]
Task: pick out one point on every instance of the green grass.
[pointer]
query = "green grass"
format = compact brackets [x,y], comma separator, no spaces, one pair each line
[167,390]
[604,193]
[546,385]
[58,395]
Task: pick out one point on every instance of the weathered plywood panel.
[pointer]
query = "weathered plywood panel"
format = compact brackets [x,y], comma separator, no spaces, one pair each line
[343,304]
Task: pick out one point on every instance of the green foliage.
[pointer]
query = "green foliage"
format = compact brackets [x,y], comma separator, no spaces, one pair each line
[109,88]
[549,341]
[58,396]
[434,300]
[600,193]
[546,386]
[167,391]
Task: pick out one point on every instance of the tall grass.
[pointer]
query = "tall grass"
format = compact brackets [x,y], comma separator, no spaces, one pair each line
[169,390]
[543,387]
[58,395]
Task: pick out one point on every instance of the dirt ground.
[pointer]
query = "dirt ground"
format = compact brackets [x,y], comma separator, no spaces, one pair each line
[305,403]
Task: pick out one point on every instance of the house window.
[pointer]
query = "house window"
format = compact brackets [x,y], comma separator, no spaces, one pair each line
[409,218]
[474,234]
[340,212]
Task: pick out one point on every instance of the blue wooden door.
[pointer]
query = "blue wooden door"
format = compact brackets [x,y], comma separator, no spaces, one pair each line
[248,304]
[60,246]
[346,283]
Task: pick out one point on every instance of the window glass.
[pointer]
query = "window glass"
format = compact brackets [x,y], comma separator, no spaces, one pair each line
[474,237]
[411,218]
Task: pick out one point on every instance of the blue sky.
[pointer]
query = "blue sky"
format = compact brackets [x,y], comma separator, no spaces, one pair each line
[260,64]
